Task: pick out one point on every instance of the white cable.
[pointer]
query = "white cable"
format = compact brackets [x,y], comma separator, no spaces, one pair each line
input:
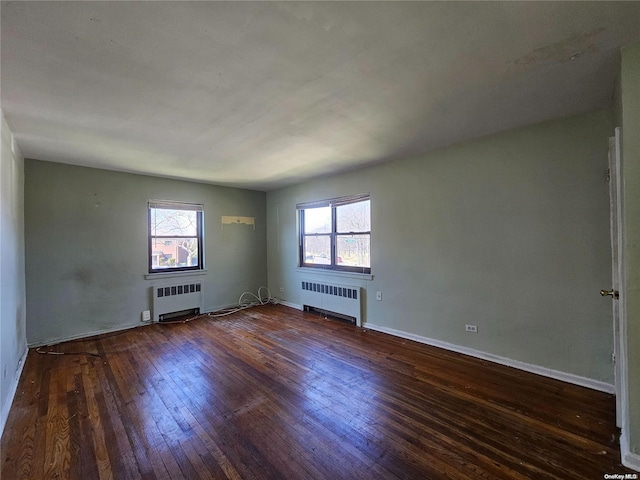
[244,303]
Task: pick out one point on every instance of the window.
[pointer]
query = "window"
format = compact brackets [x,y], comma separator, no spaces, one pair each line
[336,234]
[175,237]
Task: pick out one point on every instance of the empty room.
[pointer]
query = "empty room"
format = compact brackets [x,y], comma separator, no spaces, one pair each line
[320,240]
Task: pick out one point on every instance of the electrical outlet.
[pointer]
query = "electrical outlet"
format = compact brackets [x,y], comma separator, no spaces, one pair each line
[146,315]
[379,296]
[282,289]
[471,328]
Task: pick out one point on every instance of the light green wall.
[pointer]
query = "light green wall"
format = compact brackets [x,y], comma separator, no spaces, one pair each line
[13,340]
[509,233]
[86,247]
[630,87]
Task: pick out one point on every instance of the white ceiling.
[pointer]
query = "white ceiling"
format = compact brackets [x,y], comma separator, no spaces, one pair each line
[264,94]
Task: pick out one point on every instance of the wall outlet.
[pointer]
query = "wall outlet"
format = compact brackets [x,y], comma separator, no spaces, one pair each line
[146,315]
[282,289]
[471,328]
[379,296]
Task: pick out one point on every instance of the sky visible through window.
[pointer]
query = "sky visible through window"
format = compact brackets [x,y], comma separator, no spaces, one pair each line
[351,238]
[317,220]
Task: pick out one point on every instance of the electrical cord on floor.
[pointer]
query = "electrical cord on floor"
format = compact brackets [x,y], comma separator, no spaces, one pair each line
[244,303]
[246,300]
[253,300]
[49,352]
[94,338]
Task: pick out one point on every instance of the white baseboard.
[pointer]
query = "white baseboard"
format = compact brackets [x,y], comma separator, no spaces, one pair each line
[547,372]
[629,459]
[6,408]
[218,308]
[289,304]
[93,333]
[67,338]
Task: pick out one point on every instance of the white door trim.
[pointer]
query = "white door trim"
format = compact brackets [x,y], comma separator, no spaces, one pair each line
[616,284]
[622,388]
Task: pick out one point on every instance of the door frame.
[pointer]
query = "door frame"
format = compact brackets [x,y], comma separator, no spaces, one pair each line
[617,276]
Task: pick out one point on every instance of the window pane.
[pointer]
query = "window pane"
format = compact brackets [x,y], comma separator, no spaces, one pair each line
[174,252]
[317,220]
[174,222]
[353,250]
[317,250]
[354,217]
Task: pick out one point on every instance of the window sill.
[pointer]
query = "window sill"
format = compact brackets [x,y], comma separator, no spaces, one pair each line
[334,273]
[159,276]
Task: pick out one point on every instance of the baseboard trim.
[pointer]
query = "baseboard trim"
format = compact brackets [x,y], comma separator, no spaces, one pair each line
[629,459]
[289,304]
[77,336]
[121,328]
[527,367]
[219,309]
[6,408]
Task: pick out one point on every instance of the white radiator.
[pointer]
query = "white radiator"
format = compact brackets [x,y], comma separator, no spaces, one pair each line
[332,298]
[176,298]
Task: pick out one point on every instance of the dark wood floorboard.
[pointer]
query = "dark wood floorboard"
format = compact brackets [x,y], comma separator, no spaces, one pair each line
[275,393]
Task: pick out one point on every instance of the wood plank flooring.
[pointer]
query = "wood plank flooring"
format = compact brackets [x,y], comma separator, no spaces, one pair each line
[274,393]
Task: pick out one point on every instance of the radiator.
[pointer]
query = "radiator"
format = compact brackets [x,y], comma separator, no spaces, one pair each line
[332,298]
[176,298]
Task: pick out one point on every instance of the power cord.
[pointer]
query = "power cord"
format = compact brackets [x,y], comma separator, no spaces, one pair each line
[101,336]
[49,352]
[254,300]
[244,303]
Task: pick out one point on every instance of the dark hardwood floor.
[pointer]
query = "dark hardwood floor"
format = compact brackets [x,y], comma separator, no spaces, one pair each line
[276,393]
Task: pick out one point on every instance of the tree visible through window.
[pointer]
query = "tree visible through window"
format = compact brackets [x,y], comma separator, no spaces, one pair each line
[175,237]
[336,234]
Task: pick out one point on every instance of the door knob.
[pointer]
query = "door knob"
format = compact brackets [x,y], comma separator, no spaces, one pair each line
[612,293]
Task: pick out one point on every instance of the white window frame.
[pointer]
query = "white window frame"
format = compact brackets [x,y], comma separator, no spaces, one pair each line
[333,235]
